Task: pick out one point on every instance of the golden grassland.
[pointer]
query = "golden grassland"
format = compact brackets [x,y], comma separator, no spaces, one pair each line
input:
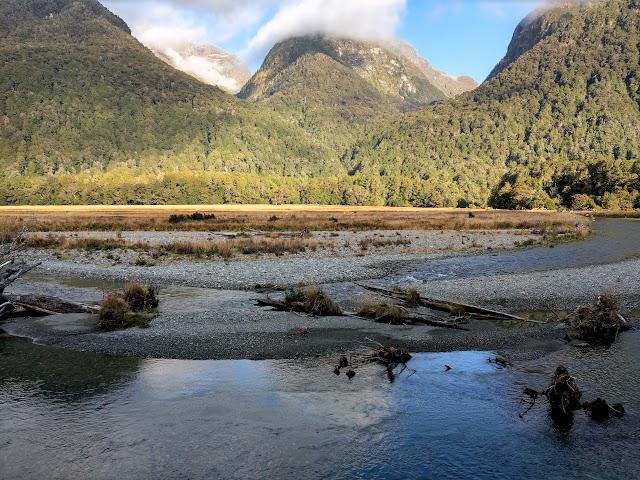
[224,249]
[292,218]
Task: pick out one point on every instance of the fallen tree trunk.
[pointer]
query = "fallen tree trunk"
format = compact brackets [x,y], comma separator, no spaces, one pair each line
[50,305]
[450,307]
[12,274]
[405,317]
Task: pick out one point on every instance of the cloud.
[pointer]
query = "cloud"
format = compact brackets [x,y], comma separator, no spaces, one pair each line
[357,19]
[172,22]
[208,71]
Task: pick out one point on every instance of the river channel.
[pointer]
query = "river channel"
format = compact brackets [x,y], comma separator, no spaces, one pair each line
[66,414]
[611,240]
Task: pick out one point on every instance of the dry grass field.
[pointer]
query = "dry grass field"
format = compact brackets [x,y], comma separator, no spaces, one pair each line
[291,218]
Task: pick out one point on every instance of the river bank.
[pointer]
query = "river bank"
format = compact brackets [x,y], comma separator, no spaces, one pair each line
[208,310]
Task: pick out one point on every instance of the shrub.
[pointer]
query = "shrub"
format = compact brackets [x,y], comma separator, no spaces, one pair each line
[382,313]
[141,298]
[311,300]
[412,298]
[581,201]
[196,217]
[294,294]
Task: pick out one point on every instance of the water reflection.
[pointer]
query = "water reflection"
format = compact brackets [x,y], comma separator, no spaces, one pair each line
[57,372]
[295,418]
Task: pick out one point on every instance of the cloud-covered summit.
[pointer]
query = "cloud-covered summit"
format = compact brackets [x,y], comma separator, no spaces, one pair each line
[259,23]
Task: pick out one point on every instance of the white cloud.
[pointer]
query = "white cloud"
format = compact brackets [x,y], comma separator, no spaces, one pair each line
[358,19]
[171,22]
[206,70]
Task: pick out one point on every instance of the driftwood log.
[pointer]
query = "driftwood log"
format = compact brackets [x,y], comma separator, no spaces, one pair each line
[406,317]
[10,272]
[50,305]
[40,304]
[451,307]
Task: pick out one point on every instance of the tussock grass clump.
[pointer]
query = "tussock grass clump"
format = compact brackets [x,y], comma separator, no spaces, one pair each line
[317,302]
[242,246]
[51,241]
[412,298]
[365,243]
[114,309]
[129,309]
[202,248]
[115,314]
[381,313]
[311,300]
[140,298]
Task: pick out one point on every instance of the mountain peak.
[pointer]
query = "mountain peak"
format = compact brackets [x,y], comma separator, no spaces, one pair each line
[537,26]
[41,19]
[393,69]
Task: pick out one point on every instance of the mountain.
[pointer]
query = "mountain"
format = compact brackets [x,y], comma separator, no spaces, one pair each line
[207,63]
[535,27]
[392,69]
[338,88]
[560,125]
[449,85]
[79,96]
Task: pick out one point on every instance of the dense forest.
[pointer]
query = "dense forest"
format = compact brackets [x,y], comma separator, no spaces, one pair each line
[560,125]
[89,115]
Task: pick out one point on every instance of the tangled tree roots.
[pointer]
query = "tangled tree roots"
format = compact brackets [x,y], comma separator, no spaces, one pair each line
[600,323]
[600,410]
[563,393]
[389,357]
[564,398]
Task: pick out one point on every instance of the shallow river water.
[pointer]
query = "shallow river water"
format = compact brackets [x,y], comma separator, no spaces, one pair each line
[611,240]
[66,414]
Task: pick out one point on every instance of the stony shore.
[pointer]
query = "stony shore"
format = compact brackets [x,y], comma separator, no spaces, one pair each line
[208,306]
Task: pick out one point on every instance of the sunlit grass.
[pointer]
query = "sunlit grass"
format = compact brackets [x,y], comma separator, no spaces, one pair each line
[234,218]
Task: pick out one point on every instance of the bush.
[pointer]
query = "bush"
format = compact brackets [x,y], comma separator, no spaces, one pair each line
[311,300]
[381,313]
[141,298]
[196,217]
[119,311]
[114,312]
[581,201]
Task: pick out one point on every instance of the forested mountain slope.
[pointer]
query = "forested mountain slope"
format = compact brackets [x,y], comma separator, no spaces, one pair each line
[338,88]
[79,95]
[559,125]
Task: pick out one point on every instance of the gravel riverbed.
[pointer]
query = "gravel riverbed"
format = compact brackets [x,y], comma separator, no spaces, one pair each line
[208,310]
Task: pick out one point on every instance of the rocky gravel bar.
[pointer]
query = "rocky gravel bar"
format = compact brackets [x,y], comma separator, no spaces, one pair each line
[208,310]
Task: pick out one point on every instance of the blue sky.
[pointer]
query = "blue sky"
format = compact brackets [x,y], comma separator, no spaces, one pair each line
[466,37]
[461,37]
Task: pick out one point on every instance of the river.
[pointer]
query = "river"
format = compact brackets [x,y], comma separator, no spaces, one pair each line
[71,415]
[66,414]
